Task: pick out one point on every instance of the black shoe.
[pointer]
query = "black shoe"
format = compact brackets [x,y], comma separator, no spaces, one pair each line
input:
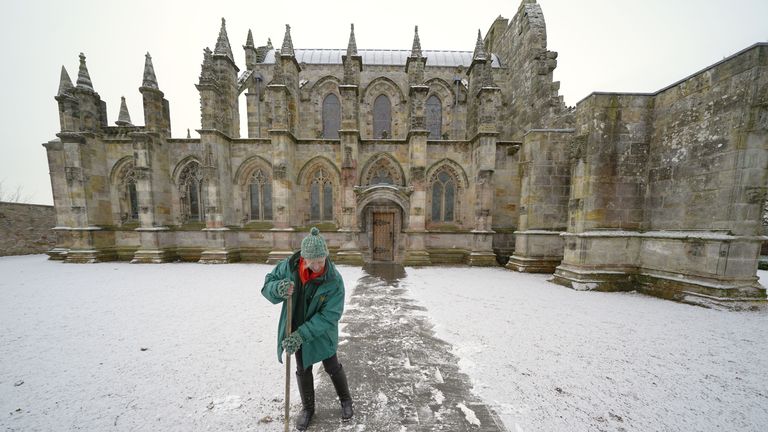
[306,383]
[339,380]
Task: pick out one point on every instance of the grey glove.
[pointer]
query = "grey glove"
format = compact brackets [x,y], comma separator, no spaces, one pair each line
[282,288]
[292,343]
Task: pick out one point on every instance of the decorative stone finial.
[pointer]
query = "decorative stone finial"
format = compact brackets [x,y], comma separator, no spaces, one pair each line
[65,84]
[222,44]
[189,136]
[479,53]
[352,45]
[249,40]
[416,49]
[287,48]
[83,79]
[150,80]
[124,118]
[269,43]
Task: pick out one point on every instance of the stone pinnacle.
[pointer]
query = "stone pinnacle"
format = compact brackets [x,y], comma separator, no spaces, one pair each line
[416,49]
[83,79]
[222,44]
[124,118]
[287,48]
[150,80]
[65,84]
[352,45]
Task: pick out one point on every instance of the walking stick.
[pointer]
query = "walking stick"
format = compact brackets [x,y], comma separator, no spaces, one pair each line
[288,320]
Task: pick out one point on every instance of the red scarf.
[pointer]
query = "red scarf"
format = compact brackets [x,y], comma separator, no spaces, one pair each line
[305,274]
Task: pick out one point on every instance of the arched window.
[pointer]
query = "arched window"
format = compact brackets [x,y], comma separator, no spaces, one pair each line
[443,197]
[331,116]
[133,200]
[191,192]
[260,190]
[321,197]
[129,198]
[382,117]
[434,117]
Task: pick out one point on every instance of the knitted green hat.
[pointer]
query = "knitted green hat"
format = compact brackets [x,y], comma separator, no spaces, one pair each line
[313,245]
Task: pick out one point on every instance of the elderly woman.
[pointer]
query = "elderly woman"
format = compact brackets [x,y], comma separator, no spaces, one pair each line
[318,302]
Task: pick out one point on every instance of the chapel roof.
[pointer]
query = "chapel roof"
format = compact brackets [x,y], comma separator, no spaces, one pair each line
[381,57]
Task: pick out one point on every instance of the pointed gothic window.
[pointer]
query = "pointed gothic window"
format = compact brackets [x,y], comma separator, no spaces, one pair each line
[382,117]
[129,198]
[434,117]
[260,189]
[133,199]
[321,197]
[191,192]
[331,116]
[443,197]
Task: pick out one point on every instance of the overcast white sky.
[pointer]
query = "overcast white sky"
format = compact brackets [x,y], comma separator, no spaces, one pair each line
[603,45]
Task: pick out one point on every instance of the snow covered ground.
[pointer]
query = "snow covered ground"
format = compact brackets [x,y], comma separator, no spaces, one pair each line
[115,346]
[188,347]
[548,358]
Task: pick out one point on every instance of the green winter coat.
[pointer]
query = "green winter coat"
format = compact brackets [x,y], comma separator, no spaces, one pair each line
[320,331]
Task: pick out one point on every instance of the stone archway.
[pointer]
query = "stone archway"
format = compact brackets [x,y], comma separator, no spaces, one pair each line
[383,217]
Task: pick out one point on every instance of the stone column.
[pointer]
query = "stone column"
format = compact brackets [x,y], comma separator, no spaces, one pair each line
[221,242]
[545,171]
[283,150]
[608,183]
[349,251]
[151,169]
[416,249]
[487,101]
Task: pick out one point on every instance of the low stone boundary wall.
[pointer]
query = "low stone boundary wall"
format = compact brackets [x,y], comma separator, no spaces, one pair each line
[26,228]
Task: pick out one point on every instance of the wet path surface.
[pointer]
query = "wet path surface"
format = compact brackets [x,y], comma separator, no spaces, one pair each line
[402,377]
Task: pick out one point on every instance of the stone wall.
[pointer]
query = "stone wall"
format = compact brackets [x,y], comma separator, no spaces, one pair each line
[546,177]
[26,228]
[668,188]
[531,96]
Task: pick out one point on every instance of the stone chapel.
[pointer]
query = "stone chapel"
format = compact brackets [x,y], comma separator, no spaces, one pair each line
[425,157]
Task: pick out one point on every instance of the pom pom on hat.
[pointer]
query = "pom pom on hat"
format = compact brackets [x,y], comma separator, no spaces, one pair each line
[313,245]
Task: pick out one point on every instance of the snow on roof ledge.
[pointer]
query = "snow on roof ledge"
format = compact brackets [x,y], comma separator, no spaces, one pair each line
[382,57]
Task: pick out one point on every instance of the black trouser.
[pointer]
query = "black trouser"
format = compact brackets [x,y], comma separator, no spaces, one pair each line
[331,364]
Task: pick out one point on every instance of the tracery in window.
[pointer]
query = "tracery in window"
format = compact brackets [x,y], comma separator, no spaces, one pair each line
[191,192]
[260,192]
[321,196]
[443,197]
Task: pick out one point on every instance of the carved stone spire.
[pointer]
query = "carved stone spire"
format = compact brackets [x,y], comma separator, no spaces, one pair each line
[207,71]
[83,79]
[222,44]
[416,50]
[479,53]
[352,45]
[150,80]
[249,40]
[123,119]
[287,48]
[65,84]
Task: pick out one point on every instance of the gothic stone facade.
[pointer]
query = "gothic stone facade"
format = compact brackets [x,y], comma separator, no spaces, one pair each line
[427,157]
